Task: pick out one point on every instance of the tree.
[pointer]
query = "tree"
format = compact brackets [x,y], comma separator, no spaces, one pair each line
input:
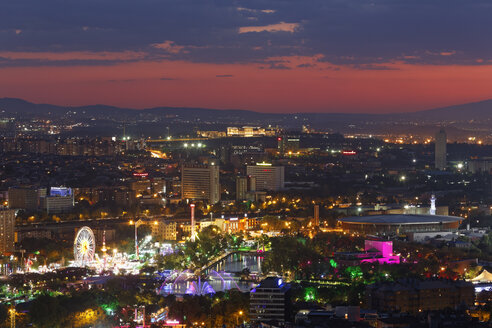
[47,312]
[3,312]
[290,254]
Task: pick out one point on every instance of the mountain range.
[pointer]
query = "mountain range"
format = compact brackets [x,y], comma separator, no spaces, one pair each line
[478,112]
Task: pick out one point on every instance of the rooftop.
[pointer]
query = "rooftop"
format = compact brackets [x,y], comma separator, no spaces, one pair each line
[393,219]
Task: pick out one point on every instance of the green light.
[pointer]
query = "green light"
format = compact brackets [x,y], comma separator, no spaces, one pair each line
[333,263]
[309,294]
[355,272]
[107,308]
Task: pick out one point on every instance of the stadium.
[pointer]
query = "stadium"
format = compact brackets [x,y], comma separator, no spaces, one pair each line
[399,223]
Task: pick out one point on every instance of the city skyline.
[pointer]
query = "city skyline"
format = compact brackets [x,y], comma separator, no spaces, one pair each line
[267,56]
[245,163]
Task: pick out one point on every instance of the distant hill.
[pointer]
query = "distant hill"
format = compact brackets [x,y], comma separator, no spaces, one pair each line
[478,111]
[481,110]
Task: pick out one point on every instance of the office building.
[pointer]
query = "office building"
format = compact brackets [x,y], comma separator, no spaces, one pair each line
[235,225]
[200,182]
[120,195]
[440,150]
[162,230]
[288,144]
[268,177]
[415,296]
[57,204]
[244,185]
[141,187]
[25,198]
[33,233]
[59,200]
[158,185]
[7,230]
[480,165]
[270,301]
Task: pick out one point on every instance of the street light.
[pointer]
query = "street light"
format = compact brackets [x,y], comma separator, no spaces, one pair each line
[240,313]
[12,317]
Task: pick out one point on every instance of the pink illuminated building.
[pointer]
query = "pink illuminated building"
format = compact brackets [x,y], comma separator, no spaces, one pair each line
[375,251]
[385,247]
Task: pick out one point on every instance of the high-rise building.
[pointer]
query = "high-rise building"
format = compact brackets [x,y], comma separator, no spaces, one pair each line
[268,177]
[200,182]
[269,301]
[244,185]
[440,150]
[288,143]
[25,198]
[241,187]
[57,204]
[59,200]
[7,230]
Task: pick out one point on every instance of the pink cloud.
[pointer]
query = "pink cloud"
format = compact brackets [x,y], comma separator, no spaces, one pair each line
[279,27]
[441,53]
[169,46]
[264,11]
[447,53]
[72,55]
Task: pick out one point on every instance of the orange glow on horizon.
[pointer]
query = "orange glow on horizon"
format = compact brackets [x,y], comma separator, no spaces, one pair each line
[319,87]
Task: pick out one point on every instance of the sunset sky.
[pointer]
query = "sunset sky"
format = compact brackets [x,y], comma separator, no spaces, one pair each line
[264,55]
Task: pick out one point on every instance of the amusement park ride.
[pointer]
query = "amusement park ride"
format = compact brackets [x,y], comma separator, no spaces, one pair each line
[84,247]
[84,252]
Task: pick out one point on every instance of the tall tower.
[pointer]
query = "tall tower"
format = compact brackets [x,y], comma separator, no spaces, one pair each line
[433,205]
[192,206]
[440,150]
[316,215]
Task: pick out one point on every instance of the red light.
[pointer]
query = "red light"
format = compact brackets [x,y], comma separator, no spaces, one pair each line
[349,152]
[279,139]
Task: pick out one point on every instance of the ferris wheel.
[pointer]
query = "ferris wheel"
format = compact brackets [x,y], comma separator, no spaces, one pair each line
[84,246]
